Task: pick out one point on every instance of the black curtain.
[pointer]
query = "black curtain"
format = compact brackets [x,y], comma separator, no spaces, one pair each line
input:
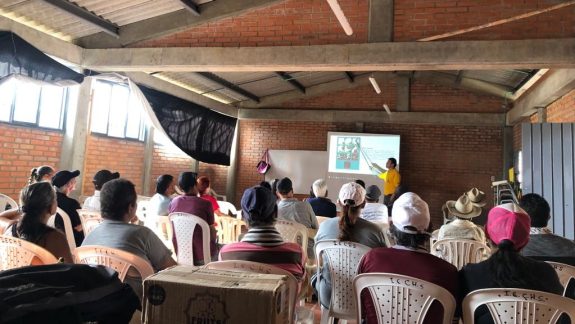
[203,134]
[19,57]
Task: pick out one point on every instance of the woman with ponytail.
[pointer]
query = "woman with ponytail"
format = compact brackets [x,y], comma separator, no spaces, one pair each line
[348,227]
[38,203]
[43,173]
[508,228]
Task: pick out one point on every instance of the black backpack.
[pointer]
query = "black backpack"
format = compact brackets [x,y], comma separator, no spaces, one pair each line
[65,293]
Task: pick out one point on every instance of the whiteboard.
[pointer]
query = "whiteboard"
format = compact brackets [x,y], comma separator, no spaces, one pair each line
[302,167]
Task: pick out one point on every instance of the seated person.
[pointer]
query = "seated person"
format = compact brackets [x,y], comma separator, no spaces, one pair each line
[320,204]
[160,201]
[40,174]
[462,227]
[203,185]
[101,177]
[508,228]
[373,210]
[349,227]
[543,244]
[118,207]
[410,222]
[65,182]
[38,203]
[262,243]
[192,204]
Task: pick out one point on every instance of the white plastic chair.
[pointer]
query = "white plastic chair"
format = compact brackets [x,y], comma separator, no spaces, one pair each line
[460,252]
[68,229]
[402,299]
[6,201]
[16,253]
[118,260]
[510,305]
[142,209]
[183,229]
[343,259]
[229,229]
[226,207]
[257,267]
[293,232]
[565,272]
[90,219]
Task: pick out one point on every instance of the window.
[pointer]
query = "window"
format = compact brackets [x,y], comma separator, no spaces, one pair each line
[24,102]
[115,112]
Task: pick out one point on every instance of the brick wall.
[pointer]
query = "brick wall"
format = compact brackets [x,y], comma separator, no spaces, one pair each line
[218,175]
[116,155]
[438,162]
[291,22]
[168,160]
[423,18]
[24,148]
[562,110]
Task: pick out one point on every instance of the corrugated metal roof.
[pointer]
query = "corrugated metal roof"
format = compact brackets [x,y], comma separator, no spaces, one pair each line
[308,79]
[510,79]
[200,85]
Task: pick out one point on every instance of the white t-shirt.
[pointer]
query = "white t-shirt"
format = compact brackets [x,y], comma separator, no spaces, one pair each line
[375,212]
[93,203]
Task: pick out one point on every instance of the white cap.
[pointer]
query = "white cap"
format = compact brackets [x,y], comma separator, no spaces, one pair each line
[410,211]
[351,194]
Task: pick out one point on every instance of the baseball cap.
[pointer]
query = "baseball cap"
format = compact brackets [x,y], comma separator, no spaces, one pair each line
[410,214]
[104,176]
[258,203]
[351,194]
[62,177]
[372,192]
[508,222]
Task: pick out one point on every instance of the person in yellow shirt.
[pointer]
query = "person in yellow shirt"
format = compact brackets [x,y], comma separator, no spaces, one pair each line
[391,178]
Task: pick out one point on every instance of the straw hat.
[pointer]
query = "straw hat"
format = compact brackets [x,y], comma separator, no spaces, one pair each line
[477,197]
[463,208]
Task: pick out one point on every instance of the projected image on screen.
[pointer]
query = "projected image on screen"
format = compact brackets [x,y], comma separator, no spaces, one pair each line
[356,153]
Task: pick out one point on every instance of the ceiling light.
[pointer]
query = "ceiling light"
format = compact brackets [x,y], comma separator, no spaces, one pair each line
[374,84]
[386,107]
[340,16]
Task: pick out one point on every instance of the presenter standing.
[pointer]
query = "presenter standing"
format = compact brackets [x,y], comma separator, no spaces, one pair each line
[391,179]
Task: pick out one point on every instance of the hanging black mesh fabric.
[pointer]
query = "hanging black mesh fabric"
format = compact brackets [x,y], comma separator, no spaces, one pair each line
[203,134]
[19,57]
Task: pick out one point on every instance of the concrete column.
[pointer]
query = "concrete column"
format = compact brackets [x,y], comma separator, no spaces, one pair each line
[148,159]
[380,21]
[76,132]
[232,170]
[403,83]
[507,150]
[541,114]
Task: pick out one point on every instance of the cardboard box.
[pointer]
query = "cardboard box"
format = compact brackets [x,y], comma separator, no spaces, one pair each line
[193,295]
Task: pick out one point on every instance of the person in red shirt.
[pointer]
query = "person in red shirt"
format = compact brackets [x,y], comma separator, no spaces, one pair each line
[204,193]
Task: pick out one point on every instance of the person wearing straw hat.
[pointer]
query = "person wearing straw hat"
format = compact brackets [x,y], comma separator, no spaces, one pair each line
[477,197]
[462,228]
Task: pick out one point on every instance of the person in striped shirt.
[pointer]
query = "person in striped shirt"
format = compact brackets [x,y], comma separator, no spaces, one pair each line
[263,243]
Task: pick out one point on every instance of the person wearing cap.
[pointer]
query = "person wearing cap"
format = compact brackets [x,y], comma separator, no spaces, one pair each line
[479,199]
[65,182]
[349,227]
[101,177]
[118,200]
[263,243]
[391,178]
[320,204]
[410,222]
[373,210]
[462,228]
[190,203]
[508,228]
[160,201]
[543,244]
[295,210]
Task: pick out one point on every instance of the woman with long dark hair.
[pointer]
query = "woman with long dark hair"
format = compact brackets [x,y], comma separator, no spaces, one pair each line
[348,227]
[42,173]
[508,228]
[38,203]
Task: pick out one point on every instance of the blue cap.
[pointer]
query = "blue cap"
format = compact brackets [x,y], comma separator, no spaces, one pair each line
[258,204]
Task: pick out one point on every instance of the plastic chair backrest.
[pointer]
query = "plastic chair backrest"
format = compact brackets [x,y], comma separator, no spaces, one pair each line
[343,259]
[183,228]
[90,219]
[6,201]
[16,253]
[118,260]
[160,225]
[565,272]
[257,267]
[460,252]
[511,305]
[293,232]
[229,230]
[142,210]
[402,299]
[226,207]
[68,229]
